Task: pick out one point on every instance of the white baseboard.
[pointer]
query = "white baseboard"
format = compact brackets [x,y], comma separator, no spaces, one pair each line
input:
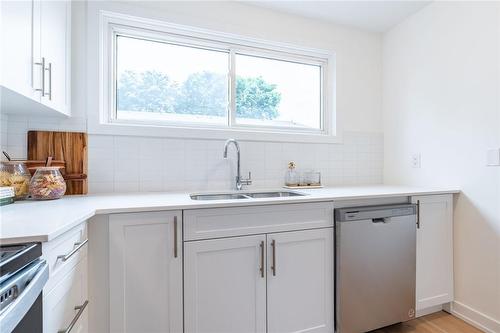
[475,318]
[426,311]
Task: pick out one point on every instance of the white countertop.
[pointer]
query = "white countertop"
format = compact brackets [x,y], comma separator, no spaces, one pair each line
[41,221]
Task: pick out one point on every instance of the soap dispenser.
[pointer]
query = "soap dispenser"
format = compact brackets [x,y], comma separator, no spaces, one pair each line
[291,177]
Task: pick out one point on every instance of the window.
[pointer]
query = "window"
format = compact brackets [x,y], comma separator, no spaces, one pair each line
[177,77]
[157,81]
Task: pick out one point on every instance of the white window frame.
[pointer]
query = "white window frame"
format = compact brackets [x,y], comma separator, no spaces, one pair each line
[114,24]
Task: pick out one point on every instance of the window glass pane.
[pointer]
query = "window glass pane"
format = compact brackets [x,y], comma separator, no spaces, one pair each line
[278,93]
[158,81]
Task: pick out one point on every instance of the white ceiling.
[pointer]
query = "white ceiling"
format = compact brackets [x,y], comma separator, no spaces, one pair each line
[378,16]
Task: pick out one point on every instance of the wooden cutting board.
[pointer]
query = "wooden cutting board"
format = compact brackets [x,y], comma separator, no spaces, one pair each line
[70,147]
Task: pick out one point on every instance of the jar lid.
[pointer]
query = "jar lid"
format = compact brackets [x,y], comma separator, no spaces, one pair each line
[13,162]
[51,168]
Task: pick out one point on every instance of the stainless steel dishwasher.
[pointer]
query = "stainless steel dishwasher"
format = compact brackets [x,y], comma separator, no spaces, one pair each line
[375,266]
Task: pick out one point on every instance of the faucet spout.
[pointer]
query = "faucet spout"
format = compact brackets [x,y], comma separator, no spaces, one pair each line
[239,180]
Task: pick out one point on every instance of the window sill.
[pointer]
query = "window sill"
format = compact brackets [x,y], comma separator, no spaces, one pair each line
[208,134]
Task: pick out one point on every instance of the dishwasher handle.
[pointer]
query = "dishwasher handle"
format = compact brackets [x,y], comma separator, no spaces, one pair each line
[376,214]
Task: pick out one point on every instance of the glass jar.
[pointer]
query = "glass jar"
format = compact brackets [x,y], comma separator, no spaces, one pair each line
[16,175]
[311,178]
[47,184]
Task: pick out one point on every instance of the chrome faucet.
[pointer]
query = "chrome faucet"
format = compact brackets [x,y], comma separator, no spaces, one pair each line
[239,181]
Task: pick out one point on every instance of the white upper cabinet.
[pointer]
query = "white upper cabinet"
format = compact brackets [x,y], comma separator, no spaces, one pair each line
[434,250]
[17,47]
[55,32]
[300,281]
[36,56]
[145,272]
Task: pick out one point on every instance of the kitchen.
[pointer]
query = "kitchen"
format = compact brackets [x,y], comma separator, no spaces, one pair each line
[361,187]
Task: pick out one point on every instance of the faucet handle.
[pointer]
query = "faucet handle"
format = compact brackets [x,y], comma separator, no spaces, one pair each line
[247,181]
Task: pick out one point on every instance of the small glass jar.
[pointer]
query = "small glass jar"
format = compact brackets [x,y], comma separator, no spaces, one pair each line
[47,184]
[16,175]
[311,178]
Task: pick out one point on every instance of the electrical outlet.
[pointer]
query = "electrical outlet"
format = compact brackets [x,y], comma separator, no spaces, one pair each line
[415,161]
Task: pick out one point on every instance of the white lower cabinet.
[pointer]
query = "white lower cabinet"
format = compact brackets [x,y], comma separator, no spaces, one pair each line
[434,250]
[225,285]
[280,282]
[300,281]
[65,306]
[145,272]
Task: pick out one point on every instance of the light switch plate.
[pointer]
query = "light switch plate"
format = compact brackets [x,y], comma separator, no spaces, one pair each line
[493,158]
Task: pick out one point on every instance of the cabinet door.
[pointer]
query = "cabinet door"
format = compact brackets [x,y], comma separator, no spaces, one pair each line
[55,41]
[67,302]
[225,285]
[300,281]
[17,47]
[145,272]
[434,250]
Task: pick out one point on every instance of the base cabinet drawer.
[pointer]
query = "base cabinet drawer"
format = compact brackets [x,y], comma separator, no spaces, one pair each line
[65,307]
[64,253]
[240,221]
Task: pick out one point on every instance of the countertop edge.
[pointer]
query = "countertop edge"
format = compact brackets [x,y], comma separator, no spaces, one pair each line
[52,234]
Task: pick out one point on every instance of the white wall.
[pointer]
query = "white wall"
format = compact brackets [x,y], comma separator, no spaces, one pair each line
[441,88]
[123,163]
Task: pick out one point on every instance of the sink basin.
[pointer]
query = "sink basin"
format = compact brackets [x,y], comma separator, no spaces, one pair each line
[281,194]
[223,196]
[245,195]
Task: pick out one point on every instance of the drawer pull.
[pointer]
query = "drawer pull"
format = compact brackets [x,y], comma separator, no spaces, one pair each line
[261,269]
[79,245]
[273,267]
[418,214]
[80,309]
[42,65]
[175,236]
[49,69]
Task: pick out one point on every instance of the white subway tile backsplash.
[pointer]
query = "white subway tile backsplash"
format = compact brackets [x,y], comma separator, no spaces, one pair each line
[100,187]
[128,164]
[126,186]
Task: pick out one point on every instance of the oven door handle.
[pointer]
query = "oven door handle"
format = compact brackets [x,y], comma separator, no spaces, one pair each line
[15,312]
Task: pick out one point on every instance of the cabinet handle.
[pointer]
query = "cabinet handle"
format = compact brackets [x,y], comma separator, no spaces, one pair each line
[262,259]
[418,214]
[80,309]
[49,69]
[175,236]
[42,66]
[273,267]
[64,257]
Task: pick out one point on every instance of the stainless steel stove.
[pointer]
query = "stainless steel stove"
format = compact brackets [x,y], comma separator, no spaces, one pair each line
[22,277]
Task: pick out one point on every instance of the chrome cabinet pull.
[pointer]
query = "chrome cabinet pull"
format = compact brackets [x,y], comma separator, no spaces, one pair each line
[49,69]
[80,309]
[418,214]
[42,66]
[262,259]
[175,236]
[64,257]
[273,267]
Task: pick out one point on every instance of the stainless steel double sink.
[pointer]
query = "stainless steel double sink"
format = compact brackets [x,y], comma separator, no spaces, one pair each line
[245,195]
